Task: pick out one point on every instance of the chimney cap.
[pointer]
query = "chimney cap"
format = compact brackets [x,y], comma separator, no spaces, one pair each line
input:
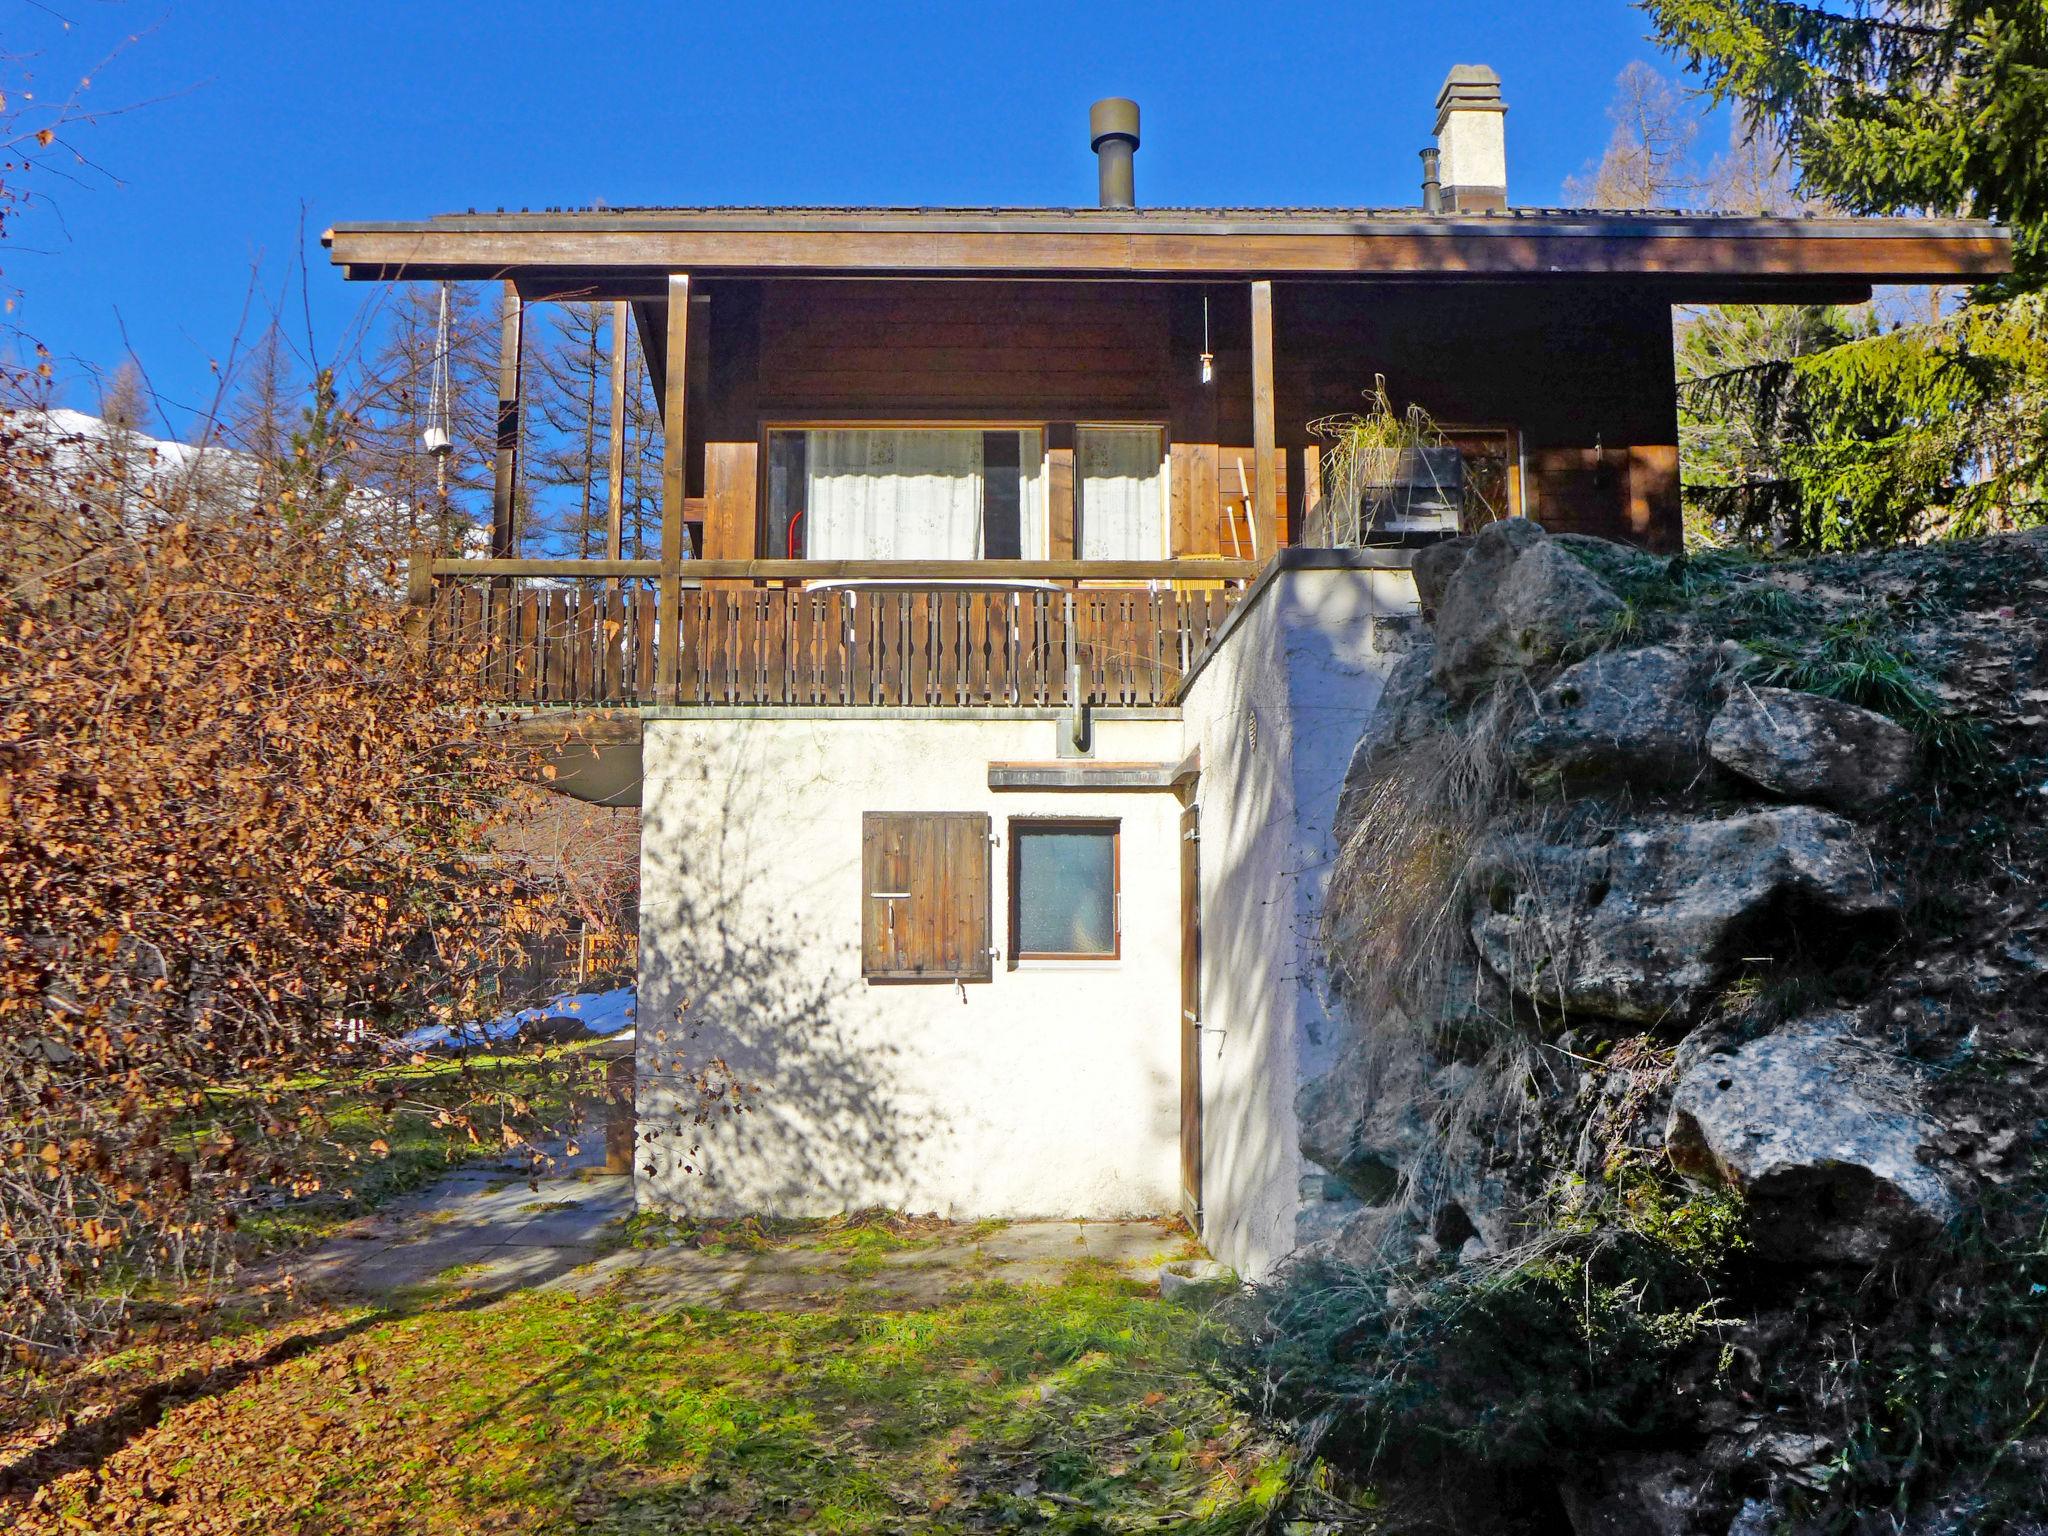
[1113,117]
[1470,87]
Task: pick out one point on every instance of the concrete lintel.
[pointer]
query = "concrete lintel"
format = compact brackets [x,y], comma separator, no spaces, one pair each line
[1090,776]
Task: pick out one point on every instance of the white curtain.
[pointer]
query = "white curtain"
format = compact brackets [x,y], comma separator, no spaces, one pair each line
[1123,502]
[1031,496]
[892,494]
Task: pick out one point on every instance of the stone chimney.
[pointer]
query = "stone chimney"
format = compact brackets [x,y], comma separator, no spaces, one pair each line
[1472,139]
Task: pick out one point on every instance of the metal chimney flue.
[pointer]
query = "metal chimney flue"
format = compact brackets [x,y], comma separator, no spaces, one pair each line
[1432,182]
[1113,134]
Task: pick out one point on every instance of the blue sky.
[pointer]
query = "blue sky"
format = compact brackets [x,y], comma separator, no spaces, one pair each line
[250,111]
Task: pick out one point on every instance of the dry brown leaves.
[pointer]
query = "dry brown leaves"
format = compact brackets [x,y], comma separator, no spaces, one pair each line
[247,830]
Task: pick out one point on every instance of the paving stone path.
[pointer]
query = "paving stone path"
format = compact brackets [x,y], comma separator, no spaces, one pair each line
[486,1230]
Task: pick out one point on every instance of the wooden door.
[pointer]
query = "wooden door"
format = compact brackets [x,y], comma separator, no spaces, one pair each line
[1191,1016]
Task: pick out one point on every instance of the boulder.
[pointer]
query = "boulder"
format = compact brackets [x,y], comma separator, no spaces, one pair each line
[1517,600]
[1433,567]
[1416,1141]
[1804,747]
[1822,1132]
[1634,718]
[1646,924]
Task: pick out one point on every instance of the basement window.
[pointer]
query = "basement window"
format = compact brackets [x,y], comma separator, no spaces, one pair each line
[1064,897]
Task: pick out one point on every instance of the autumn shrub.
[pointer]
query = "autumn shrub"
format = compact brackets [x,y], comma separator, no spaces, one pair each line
[246,826]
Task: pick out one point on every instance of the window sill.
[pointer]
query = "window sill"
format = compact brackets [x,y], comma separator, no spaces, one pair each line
[1078,963]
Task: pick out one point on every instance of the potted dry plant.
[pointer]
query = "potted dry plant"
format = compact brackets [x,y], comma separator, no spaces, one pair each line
[1388,476]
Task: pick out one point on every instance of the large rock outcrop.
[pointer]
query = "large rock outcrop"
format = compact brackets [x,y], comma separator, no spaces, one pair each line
[1646,923]
[1626,932]
[1823,1133]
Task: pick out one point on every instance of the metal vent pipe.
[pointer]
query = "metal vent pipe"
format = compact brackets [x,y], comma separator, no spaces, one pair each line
[1113,135]
[1432,182]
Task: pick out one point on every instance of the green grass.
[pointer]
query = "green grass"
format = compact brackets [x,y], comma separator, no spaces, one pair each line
[1070,1408]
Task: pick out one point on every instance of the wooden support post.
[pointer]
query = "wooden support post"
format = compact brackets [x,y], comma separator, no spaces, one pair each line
[674,462]
[1264,476]
[504,493]
[615,501]
[419,598]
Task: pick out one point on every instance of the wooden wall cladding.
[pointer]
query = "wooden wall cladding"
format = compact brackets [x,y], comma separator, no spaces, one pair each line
[1028,350]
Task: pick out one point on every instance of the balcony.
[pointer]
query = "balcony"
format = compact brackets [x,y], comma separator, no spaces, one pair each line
[989,634]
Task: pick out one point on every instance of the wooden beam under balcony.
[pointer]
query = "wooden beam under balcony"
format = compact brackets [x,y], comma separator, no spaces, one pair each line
[908,572]
[674,457]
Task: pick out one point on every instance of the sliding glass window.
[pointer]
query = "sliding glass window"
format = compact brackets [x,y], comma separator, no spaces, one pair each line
[906,493]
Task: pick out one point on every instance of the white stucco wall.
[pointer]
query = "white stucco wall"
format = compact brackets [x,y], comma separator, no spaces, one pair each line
[1474,149]
[1275,713]
[1051,1090]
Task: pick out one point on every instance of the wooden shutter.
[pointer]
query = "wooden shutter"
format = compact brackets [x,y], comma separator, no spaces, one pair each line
[925,896]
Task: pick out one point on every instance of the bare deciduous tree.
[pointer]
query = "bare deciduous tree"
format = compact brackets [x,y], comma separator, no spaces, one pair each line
[1648,159]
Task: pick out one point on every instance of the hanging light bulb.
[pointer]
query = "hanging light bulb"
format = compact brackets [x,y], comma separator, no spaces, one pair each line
[1208,357]
[436,437]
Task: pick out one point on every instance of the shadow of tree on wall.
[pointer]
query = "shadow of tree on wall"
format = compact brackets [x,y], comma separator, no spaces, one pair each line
[760,1088]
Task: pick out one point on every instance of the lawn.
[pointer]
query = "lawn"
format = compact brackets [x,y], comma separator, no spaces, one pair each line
[1075,1407]
[1081,1405]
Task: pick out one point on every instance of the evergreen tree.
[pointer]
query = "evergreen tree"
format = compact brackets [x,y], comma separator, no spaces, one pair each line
[1911,105]
[1902,432]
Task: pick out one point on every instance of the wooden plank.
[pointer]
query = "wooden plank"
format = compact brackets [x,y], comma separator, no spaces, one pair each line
[860,670]
[1059,498]
[674,465]
[918,650]
[529,686]
[731,474]
[612,625]
[642,690]
[803,660]
[834,647]
[889,610]
[505,474]
[1264,501]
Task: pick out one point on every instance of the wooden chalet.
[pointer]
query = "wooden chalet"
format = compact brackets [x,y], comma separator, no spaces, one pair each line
[984,543]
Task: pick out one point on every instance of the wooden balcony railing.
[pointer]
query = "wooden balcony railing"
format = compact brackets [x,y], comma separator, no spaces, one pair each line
[1017,641]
